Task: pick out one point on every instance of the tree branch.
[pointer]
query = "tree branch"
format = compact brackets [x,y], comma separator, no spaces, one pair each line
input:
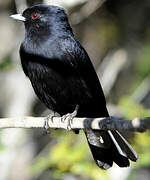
[108,123]
[87,10]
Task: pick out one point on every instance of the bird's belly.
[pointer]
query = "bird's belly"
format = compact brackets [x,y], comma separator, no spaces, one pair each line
[59,93]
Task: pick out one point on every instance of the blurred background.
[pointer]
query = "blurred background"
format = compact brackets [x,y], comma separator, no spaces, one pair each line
[116,35]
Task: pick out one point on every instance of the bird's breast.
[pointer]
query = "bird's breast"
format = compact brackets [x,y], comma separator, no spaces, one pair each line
[58,92]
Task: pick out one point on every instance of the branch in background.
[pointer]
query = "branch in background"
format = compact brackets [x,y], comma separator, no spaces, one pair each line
[108,123]
[65,3]
[87,10]
[110,68]
[20,5]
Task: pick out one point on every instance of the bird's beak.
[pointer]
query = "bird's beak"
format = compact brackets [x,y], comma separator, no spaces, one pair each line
[18,17]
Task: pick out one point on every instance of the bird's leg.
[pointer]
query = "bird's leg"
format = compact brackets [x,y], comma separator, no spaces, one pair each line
[46,119]
[69,117]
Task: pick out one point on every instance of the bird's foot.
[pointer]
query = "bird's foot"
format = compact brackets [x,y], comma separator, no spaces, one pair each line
[46,119]
[69,117]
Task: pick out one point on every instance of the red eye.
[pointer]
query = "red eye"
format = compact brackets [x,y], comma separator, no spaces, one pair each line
[35,16]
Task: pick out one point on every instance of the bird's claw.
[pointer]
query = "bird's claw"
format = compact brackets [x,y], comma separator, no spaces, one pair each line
[46,120]
[69,118]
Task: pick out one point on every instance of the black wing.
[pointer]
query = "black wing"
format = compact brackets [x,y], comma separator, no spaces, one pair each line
[80,62]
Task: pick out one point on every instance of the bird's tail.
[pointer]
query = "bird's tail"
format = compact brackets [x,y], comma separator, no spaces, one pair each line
[108,147]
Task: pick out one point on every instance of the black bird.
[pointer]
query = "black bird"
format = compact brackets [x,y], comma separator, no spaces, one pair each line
[63,77]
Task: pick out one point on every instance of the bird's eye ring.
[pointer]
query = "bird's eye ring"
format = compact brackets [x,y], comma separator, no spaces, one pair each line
[35,16]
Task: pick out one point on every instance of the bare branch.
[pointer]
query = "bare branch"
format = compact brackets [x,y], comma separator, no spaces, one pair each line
[108,123]
[111,67]
[20,5]
[88,9]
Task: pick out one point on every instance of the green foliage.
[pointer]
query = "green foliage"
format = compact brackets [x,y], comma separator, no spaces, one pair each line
[141,141]
[131,109]
[6,63]
[143,65]
[107,33]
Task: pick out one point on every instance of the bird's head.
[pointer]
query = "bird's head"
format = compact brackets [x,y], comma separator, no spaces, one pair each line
[43,19]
